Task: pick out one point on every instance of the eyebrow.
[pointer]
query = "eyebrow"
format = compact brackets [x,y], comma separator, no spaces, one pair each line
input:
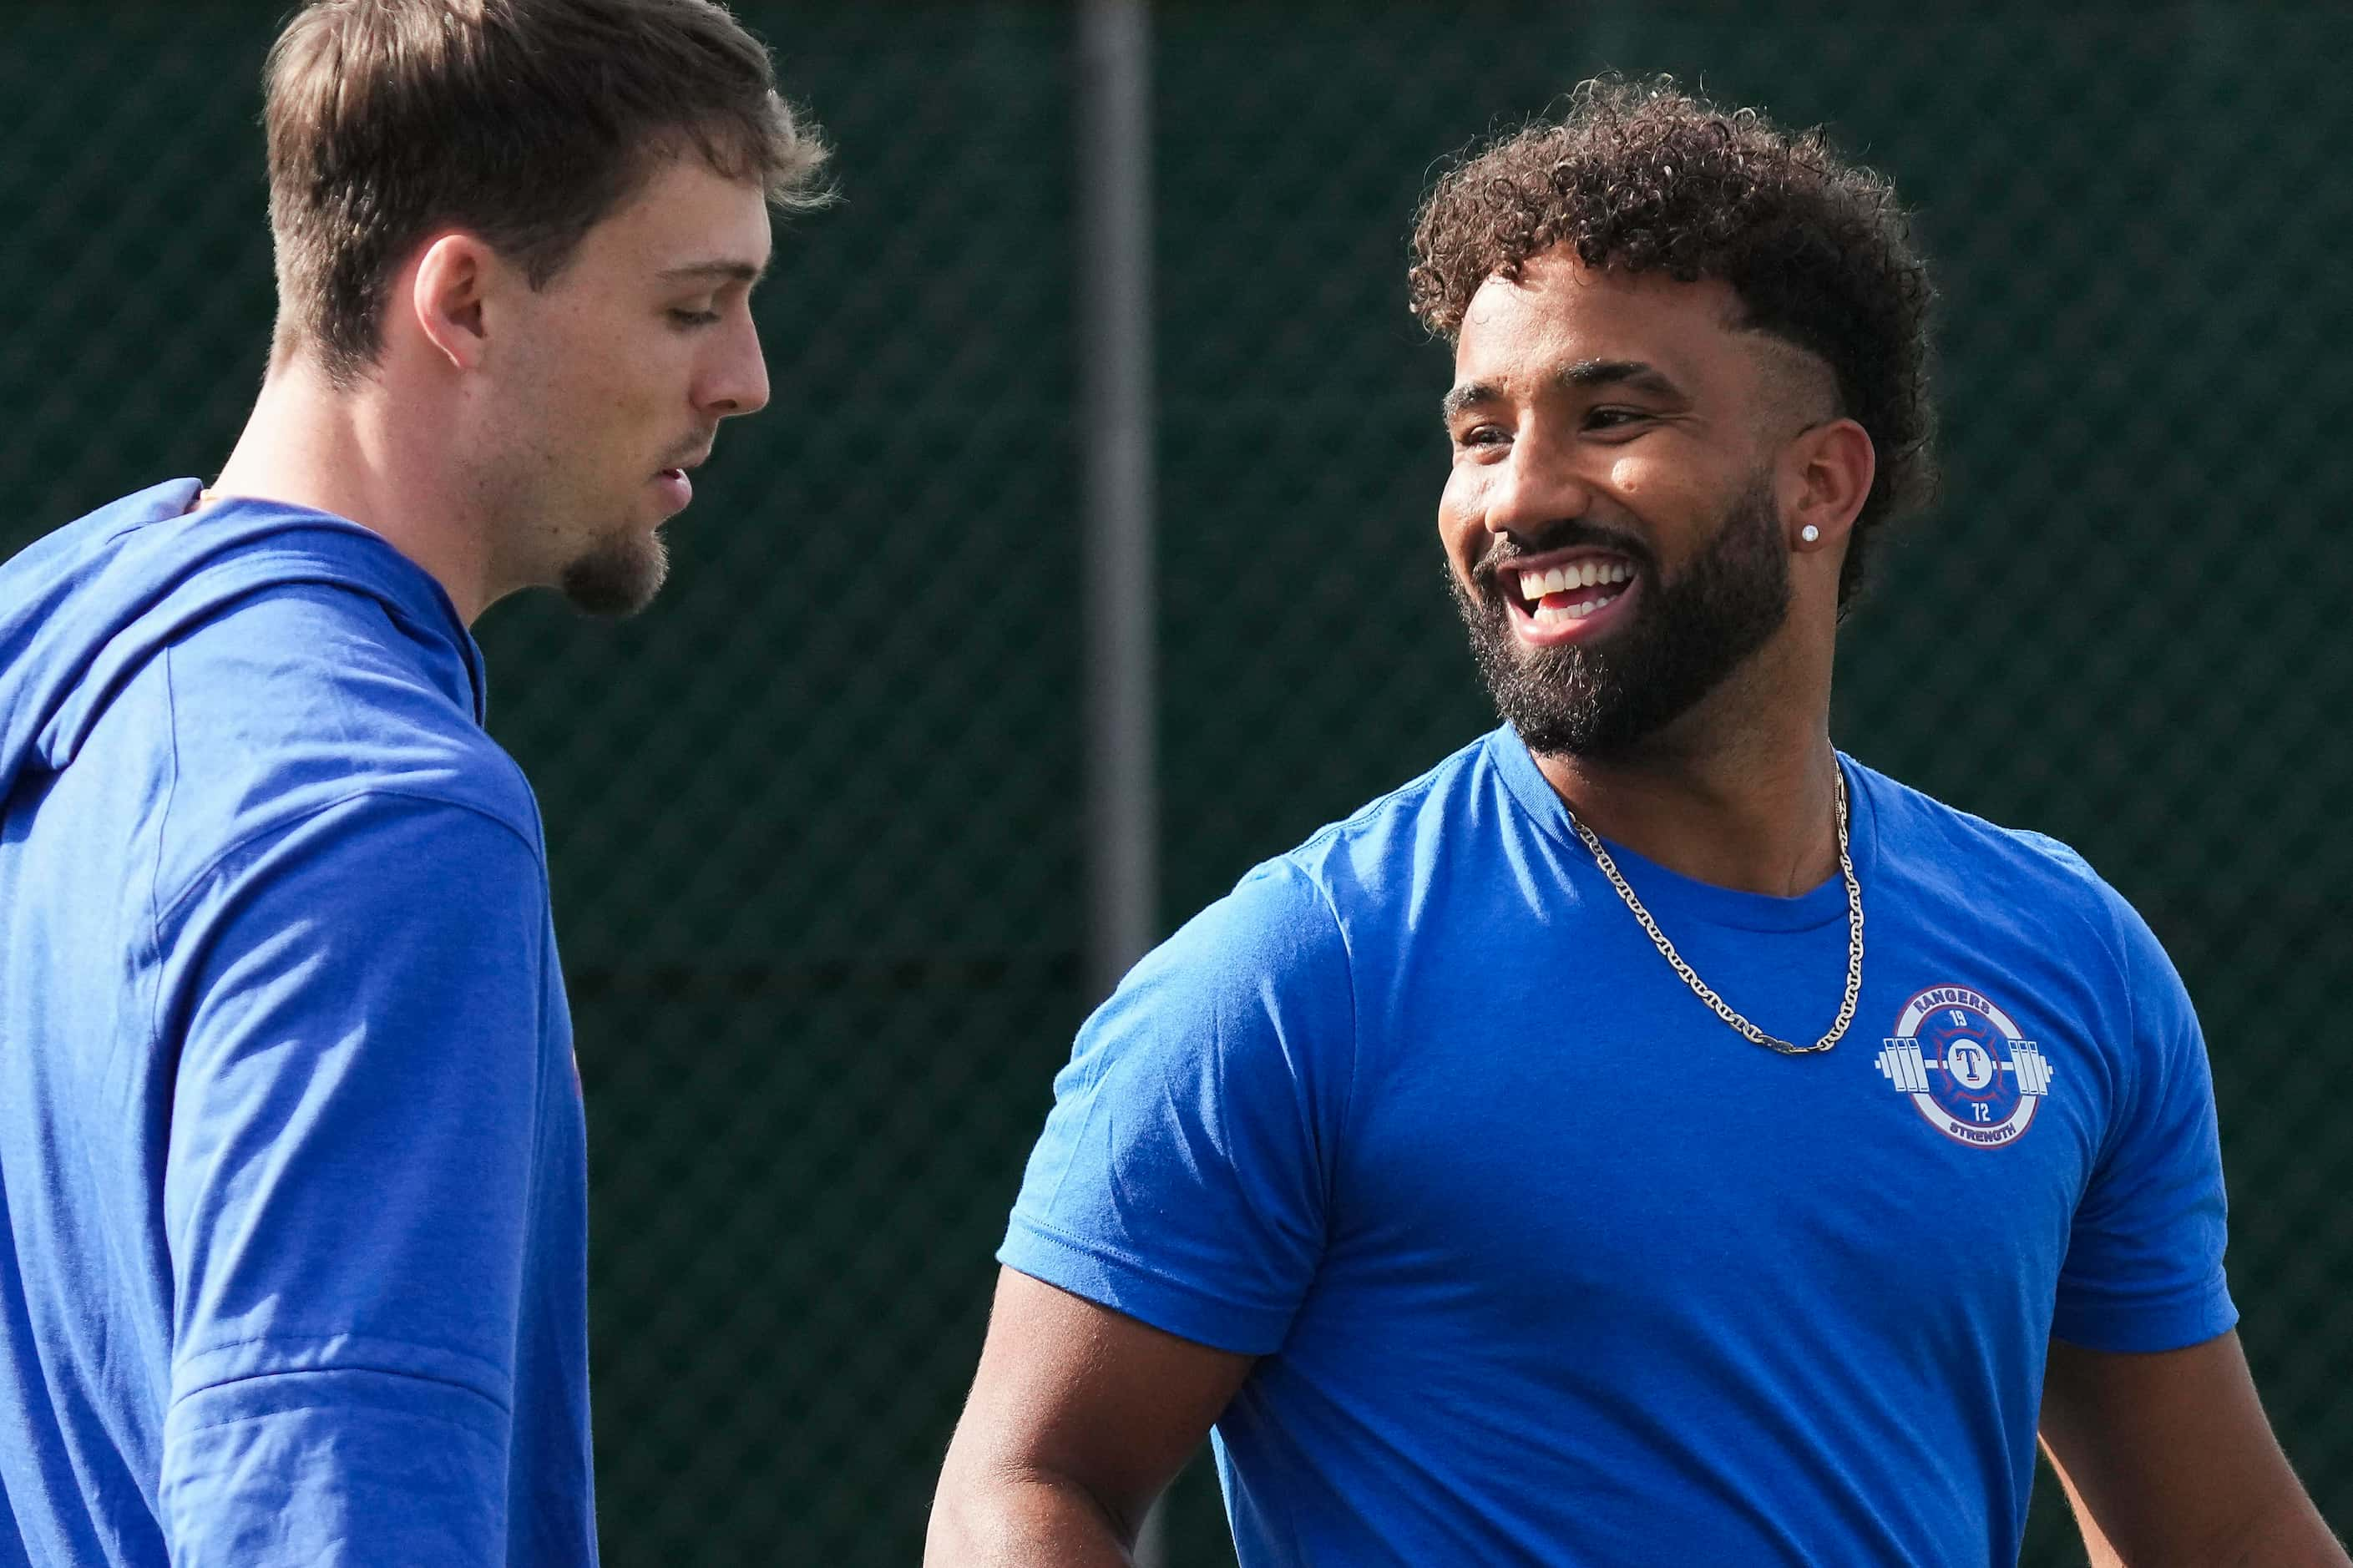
[1588,374]
[1583,375]
[1469,395]
[715,272]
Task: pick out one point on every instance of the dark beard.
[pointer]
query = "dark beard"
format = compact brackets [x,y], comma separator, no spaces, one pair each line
[1687,636]
[620,577]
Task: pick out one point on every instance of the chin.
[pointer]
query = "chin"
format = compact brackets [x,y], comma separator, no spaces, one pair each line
[620,577]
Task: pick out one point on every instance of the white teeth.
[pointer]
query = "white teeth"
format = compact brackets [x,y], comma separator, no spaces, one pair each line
[1535,585]
[1547,616]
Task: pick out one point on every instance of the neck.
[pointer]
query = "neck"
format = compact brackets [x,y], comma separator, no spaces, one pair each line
[1741,792]
[342,451]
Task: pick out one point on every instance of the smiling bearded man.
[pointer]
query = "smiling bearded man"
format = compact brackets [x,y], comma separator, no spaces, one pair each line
[1540,1166]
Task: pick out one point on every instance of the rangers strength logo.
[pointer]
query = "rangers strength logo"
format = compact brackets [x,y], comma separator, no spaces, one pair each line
[1961,1060]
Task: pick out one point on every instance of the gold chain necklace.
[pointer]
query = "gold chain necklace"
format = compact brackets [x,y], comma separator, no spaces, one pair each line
[1701,989]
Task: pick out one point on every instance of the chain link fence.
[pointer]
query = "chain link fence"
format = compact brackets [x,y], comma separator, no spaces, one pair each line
[814,820]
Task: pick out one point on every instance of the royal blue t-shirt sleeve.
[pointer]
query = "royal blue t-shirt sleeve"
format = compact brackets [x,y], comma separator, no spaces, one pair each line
[1183,1175]
[346,1194]
[2144,1264]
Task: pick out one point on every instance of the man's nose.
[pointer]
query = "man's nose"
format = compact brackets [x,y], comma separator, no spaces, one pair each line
[1532,490]
[739,383]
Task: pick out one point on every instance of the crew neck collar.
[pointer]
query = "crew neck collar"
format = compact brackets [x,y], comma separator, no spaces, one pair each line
[1663,888]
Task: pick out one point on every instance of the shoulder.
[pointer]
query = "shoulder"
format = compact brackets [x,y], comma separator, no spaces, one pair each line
[1376,855]
[2034,878]
[305,696]
[1276,925]
[1303,913]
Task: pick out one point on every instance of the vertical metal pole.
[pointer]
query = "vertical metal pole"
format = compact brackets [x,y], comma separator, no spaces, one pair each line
[1114,433]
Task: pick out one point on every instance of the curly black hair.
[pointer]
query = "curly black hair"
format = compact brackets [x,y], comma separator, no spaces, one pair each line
[1642,177]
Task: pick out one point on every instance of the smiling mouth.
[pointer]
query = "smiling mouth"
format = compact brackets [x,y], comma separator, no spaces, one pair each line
[1560,593]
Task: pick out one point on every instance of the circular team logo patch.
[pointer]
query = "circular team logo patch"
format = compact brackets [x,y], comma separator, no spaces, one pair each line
[1961,1060]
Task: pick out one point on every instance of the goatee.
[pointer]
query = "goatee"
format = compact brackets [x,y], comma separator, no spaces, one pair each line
[619,576]
[1688,634]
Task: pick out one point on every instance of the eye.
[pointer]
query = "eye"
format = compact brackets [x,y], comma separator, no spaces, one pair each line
[1482,435]
[693,318]
[1614,417]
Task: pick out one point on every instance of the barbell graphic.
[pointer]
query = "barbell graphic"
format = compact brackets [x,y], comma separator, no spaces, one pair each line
[1901,1061]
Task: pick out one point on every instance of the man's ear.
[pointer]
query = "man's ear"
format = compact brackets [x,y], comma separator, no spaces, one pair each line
[446,294]
[1826,476]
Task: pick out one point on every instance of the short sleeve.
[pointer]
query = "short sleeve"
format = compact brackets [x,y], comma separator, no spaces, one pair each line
[348,1188]
[2144,1266]
[1183,1177]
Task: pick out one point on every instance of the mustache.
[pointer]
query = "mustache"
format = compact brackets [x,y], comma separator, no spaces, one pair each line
[1571,533]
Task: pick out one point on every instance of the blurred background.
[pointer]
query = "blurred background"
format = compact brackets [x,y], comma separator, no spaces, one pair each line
[831,895]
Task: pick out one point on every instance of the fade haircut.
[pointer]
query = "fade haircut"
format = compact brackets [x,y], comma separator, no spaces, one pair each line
[1642,177]
[524,122]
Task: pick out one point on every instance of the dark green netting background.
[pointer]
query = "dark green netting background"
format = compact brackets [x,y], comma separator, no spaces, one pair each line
[816,819]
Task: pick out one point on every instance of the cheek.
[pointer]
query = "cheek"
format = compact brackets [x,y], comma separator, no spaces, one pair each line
[1641,480]
[1676,500]
[1674,477]
[607,364]
[1459,511]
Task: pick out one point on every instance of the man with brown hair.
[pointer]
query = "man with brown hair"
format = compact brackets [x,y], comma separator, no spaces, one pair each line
[1550,1163]
[293,1184]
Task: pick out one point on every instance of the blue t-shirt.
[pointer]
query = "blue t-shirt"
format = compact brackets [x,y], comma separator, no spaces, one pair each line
[292,1178]
[1545,1264]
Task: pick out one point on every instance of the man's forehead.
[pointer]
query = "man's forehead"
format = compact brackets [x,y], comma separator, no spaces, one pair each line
[687,217]
[1560,314]
[1597,313]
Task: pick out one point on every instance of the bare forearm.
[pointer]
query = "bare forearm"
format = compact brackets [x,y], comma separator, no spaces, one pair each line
[2171,1462]
[2289,1534]
[1022,1521]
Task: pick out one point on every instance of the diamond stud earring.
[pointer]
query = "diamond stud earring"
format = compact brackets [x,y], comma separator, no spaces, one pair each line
[1810,533]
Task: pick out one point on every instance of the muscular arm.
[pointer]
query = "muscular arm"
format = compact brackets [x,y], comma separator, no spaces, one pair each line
[2167,1459]
[1078,1419]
